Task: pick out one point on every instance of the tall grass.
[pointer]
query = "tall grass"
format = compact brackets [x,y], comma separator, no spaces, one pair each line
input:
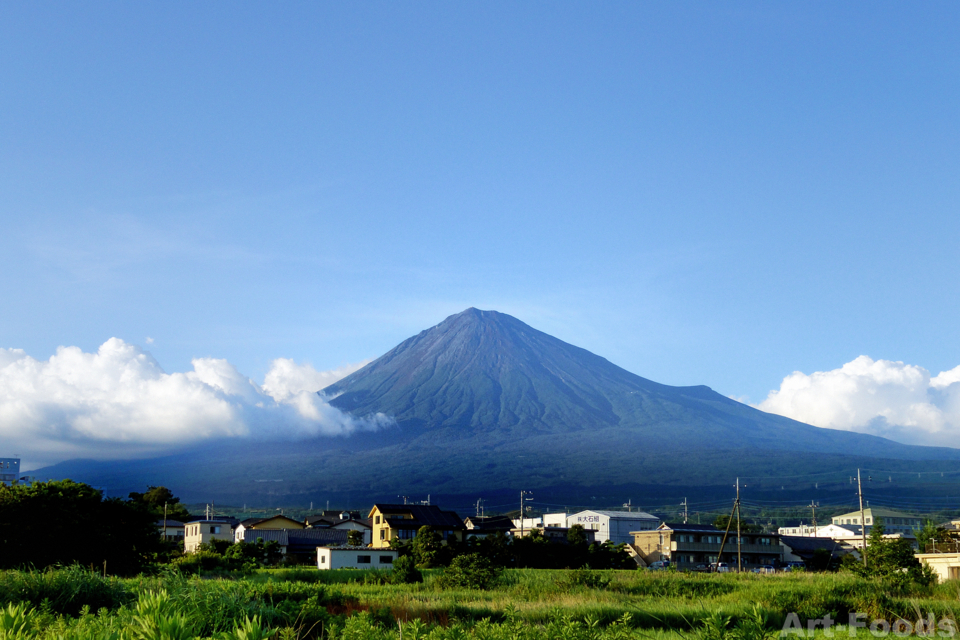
[296,603]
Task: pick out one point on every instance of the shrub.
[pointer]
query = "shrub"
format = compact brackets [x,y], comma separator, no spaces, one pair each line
[405,571]
[471,571]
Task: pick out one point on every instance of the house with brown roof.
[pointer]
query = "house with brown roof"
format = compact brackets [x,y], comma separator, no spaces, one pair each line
[274,523]
[402,521]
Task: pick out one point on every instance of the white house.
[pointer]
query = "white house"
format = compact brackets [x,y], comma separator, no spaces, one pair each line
[555,519]
[355,558]
[355,524]
[614,526]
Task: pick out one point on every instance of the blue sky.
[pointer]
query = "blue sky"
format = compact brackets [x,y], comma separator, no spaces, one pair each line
[703,193]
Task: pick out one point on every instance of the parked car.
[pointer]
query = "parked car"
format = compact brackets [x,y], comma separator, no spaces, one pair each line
[794,566]
[659,565]
[719,567]
[765,568]
[702,567]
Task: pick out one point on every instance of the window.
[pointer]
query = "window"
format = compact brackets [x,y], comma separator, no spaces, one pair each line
[383,534]
[323,559]
[214,529]
[376,520]
[386,559]
[363,559]
[765,541]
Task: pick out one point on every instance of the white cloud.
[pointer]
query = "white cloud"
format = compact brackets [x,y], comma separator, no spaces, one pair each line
[891,399]
[286,378]
[118,402]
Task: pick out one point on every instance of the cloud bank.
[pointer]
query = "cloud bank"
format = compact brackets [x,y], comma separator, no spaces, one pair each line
[891,399]
[118,402]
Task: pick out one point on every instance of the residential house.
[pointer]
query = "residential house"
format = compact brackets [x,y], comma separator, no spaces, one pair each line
[689,545]
[172,530]
[482,526]
[354,558]
[803,548]
[204,532]
[277,522]
[297,542]
[615,526]
[354,524]
[943,558]
[402,521]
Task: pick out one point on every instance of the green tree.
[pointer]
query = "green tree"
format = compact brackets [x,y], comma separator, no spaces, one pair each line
[496,548]
[66,522]
[355,538]
[745,527]
[892,559]
[426,546]
[577,535]
[156,497]
[929,533]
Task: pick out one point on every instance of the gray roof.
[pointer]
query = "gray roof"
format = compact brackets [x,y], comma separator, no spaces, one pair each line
[621,515]
[170,523]
[298,540]
[679,526]
[431,515]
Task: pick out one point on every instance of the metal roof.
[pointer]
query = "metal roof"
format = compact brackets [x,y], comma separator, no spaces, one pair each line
[620,515]
[422,515]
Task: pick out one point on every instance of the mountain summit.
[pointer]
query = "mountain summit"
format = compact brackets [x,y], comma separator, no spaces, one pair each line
[486,405]
[487,375]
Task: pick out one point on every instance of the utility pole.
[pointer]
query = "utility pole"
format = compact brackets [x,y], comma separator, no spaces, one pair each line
[863,527]
[813,505]
[164,520]
[739,561]
[684,511]
[523,498]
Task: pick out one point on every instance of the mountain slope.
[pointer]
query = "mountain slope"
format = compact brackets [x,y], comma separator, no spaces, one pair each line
[486,375]
[486,405]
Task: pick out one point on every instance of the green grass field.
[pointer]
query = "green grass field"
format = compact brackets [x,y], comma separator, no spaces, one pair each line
[73,603]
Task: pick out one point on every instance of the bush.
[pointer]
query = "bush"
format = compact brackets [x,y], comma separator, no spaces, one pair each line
[405,571]
[470,571]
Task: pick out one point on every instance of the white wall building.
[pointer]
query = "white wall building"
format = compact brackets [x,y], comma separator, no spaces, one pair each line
[614,526]
[555,519]
[351,524]
[354,558]
[204,532]
[528,523]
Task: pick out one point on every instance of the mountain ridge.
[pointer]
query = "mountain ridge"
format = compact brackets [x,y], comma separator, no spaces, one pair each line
[488,372]
[485,404]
